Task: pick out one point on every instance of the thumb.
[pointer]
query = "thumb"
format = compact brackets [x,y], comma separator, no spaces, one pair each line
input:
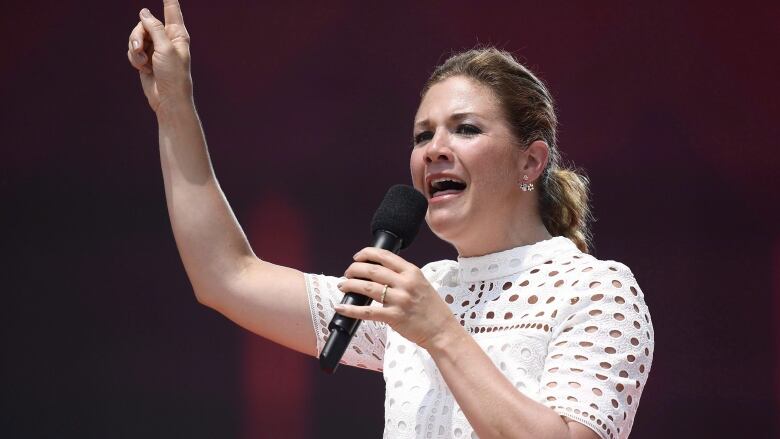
[156,30]
[147,81]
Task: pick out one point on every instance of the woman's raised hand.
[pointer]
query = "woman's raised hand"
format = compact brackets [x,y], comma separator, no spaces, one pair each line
[161,53]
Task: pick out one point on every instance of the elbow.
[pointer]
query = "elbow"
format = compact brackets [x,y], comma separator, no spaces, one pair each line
[209,287]
[204,297]
[217,286]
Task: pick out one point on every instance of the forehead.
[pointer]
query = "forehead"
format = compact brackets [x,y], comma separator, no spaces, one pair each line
[456,95]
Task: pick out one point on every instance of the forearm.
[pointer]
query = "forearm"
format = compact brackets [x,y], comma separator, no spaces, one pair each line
[210,240]
[493,406]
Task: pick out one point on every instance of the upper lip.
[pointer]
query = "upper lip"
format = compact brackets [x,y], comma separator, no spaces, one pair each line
[439,175]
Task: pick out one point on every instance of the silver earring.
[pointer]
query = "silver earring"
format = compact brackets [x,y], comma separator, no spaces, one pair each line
[524,186]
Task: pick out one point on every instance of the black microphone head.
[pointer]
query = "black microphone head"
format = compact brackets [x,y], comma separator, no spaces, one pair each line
[401,213]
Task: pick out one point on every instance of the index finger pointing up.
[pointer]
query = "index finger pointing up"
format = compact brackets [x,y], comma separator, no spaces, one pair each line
[172,12]
[156,30]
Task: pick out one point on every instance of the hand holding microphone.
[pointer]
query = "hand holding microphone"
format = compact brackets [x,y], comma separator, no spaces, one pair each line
[394,226]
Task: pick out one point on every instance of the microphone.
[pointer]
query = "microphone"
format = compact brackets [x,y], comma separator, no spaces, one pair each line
[394,226]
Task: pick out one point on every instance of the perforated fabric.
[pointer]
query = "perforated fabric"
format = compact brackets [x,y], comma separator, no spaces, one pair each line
[568,330]
[366,350]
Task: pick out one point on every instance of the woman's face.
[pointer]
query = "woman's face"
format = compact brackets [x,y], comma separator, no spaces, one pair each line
[465,162]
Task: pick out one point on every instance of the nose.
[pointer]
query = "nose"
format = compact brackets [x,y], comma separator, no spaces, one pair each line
[438,148]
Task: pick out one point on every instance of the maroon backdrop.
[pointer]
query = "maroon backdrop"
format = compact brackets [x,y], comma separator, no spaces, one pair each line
[671,109]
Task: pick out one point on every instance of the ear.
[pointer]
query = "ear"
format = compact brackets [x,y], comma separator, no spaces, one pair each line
[534,160]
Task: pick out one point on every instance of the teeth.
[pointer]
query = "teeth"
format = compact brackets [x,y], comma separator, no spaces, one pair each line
[438,181]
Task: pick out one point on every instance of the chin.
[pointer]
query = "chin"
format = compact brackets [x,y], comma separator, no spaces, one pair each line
[446,227]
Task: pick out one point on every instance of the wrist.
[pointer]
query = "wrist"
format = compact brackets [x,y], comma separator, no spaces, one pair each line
[171,109]
[449,336]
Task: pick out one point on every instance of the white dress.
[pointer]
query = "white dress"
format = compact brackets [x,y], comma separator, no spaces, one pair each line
[568,330]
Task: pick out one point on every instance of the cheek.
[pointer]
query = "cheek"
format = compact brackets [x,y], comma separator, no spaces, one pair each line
[417,169]
[493,176]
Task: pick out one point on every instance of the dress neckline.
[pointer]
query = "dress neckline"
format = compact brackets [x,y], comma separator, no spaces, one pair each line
[514,260]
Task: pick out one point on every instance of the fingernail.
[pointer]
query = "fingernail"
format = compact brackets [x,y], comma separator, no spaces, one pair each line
[145,13]
[136,44]
[338,285]
[338,307]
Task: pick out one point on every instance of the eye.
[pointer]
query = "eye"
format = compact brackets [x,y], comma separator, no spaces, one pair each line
[422,137]
[468,130]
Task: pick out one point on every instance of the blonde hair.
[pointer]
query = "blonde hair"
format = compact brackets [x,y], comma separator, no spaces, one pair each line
[564,201]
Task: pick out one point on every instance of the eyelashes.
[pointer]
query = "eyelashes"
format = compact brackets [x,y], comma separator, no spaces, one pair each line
[462,129]
[469,130]
[423,136]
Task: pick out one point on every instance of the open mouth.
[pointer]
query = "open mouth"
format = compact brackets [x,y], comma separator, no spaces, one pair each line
[444,186]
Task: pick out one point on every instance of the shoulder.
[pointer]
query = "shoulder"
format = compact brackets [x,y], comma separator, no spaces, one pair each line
[604,287]
[584,271]
[602,269]
[608,275]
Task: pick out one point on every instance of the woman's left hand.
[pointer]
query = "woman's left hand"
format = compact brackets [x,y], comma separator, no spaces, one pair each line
[411,306]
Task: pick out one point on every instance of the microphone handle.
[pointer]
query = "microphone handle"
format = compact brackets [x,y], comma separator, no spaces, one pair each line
[342,328]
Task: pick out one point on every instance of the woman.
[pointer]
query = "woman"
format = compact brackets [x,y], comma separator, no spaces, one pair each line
[526,335]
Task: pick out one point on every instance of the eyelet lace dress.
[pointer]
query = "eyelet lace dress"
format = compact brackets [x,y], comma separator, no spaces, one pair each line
[568,330]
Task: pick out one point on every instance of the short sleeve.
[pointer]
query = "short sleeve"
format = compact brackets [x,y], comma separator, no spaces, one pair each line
[600,353]
[367,348]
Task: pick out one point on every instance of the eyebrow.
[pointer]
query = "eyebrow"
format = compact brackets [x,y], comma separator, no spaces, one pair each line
[454,116]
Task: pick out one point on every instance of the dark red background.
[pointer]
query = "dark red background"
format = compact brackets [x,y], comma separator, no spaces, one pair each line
[307,107]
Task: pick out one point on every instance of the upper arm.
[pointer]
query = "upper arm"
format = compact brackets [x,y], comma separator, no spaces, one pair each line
[271,301]
[277,303]
[600,352]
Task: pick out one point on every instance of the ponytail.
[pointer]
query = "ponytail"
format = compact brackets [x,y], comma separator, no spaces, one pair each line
[565,206]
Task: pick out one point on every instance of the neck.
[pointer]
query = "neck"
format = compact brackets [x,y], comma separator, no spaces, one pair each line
[496,239]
